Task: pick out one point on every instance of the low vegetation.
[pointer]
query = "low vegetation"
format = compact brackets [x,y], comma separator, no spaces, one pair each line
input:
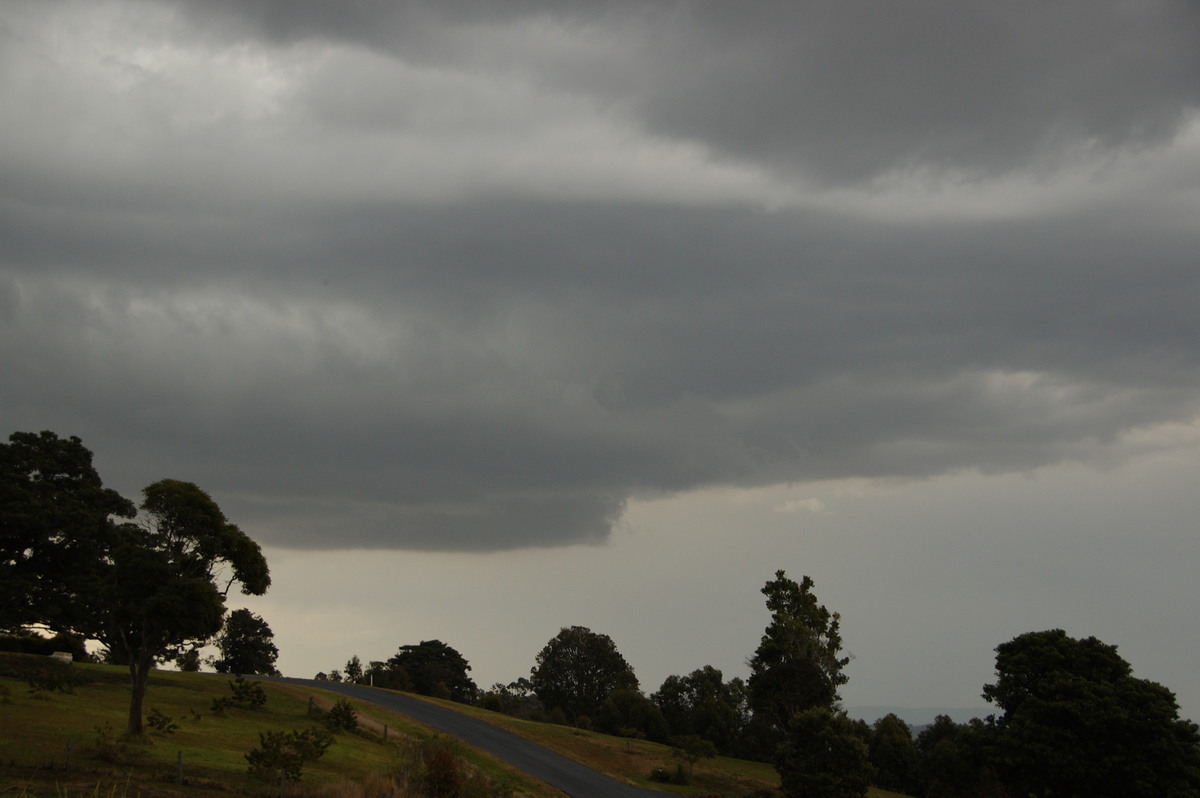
[68,743]
[71,741]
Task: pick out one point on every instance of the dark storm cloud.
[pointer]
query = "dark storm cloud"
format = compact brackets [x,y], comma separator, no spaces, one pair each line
[852,90]
[237,290]
[833,91]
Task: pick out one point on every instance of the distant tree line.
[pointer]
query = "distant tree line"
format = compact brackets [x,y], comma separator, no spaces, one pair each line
[1073,720]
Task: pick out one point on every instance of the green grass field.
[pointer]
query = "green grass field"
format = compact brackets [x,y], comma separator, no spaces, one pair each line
[39,733]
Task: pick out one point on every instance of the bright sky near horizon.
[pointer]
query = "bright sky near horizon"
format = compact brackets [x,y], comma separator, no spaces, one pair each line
[489,319]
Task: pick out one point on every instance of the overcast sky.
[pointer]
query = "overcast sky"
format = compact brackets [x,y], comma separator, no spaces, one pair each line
[487,319]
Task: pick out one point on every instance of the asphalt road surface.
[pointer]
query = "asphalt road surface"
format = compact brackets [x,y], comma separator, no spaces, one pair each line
[554,769]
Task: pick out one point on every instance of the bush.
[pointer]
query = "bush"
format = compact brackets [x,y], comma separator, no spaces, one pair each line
[54,677]
[691,748]
[248,695]
[163,724]
[286,753]
[109,747]
[340,717]
[442,778]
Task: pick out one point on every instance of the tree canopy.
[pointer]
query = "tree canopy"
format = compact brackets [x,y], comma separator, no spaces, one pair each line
[142,589]
[794,679]
[1077,722]
[702,703]
[434,668]
[247,645]
[56,525]
[628,713]
[168,580]
[798,663]
[823,757]
[578,670]
[894,755]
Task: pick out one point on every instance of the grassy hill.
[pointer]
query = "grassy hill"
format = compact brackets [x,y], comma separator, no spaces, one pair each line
[68,743]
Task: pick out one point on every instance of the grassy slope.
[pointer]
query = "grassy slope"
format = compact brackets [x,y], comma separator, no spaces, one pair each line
[633,760]
[34,734]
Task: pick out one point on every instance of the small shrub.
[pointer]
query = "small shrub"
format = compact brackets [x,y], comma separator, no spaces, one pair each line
[286,753]
[163,724]
[691,748]
[47,680]
[248,694]
[442,777]
[109,747]
[340,717]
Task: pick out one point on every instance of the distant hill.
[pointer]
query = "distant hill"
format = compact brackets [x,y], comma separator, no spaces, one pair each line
[920,716]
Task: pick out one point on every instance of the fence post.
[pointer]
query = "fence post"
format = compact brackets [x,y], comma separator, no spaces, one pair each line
[70,749]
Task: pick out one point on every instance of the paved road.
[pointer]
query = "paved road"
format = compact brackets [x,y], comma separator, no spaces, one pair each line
[556,770]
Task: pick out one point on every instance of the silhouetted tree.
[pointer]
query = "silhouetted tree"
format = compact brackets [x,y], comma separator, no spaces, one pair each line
[956,760]
[189,660]
[704,704]
[436,669]
[384,674]
[628,713]
[247,645]
[515,698]
[144,590]
[894,755]
[578,670]
[1077,722]
[168,578]
[798,664]
[56,531]
[823,756]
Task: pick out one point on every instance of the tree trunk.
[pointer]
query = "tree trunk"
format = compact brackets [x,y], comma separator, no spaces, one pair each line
[139,676]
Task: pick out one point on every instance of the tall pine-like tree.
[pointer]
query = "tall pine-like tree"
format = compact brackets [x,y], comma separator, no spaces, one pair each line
[794,679]
[798,664]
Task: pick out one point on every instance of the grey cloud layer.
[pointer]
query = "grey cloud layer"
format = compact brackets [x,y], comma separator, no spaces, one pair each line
[836,91]
[295,297]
